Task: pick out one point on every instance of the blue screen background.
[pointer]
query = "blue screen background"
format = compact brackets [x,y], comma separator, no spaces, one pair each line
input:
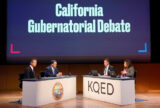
[78,45]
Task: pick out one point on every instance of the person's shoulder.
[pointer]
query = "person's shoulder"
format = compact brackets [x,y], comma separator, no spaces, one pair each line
[111,66]
[48,67]
[132,67]
[28,68]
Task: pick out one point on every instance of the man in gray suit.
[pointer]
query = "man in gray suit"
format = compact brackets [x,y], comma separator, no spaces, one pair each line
[109,70]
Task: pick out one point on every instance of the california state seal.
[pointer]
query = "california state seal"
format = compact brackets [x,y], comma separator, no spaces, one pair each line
[57,91]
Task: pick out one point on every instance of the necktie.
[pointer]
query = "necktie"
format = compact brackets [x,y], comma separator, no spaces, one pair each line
[106,70]
[53,70]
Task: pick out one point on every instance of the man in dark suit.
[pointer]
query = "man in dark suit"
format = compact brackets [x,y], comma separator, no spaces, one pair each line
[30,71]
[52,70]
[109,70]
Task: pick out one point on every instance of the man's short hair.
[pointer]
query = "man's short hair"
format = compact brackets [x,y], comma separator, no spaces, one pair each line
[106,59]
[52,61]
[33,60]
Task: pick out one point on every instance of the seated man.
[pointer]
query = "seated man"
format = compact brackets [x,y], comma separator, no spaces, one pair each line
[52,70]
[30,71]
[109,70]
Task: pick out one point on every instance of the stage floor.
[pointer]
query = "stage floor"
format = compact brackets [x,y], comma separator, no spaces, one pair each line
[146,100]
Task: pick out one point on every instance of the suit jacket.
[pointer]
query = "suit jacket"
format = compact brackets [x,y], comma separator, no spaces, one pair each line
[130,72]
[111,70]
[29,73]
[49,72]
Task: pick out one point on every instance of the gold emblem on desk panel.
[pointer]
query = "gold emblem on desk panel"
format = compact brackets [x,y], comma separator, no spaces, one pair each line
[57,91]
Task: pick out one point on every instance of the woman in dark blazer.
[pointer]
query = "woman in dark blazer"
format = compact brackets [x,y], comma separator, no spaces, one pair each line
[128,70]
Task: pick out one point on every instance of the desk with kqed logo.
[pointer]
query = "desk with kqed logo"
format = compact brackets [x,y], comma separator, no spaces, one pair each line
[119,91]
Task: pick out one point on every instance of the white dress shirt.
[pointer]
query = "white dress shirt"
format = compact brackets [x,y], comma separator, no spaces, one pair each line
[53,69]
[106,70]
[31,67]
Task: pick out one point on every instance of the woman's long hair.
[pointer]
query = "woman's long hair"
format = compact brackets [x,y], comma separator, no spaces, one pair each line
[128,62]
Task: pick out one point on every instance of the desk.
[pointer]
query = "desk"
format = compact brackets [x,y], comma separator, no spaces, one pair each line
[119,91]
[37,92]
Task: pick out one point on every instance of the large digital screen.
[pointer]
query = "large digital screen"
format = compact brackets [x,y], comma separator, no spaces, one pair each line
[74,31]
